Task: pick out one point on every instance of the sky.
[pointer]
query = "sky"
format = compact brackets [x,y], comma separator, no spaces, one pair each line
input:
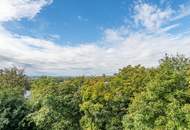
[83,37]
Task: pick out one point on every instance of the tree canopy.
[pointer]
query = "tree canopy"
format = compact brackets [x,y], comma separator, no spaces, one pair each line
[135,98]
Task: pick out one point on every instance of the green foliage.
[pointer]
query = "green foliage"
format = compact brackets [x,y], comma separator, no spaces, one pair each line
[136,98]
[105,101]
[56,105]
[13,78]
[165,102]
[12,110]
[12,103]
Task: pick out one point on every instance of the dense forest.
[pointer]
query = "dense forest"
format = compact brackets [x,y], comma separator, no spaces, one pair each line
[135,98]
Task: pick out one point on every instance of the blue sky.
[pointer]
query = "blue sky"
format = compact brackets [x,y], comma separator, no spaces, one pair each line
[82,37]
[80,21]
[74,20]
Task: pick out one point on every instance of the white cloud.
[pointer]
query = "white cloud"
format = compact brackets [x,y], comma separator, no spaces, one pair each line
[169,27]
[42,56]
[17,9]
[184,10]
[121,46]
[151,17]
[112,36]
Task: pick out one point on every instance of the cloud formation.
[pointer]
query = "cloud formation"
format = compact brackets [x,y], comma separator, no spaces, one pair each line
[17,9]
[119,47]
[150,16]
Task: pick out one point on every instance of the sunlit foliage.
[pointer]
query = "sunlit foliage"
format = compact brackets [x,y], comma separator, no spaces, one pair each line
[135,98]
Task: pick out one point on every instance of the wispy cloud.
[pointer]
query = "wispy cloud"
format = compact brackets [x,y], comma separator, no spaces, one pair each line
[17,9]
[184,10]
[119,46]
[80,18]
[151,16]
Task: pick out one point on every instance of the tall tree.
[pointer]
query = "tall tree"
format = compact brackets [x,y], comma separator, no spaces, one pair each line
[13,108]
[105,101]
[165,102]
[56,104]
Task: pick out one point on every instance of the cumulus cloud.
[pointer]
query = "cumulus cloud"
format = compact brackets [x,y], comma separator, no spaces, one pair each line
[121,46]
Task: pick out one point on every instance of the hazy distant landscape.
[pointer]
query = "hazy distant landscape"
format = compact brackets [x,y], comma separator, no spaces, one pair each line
[95,65]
